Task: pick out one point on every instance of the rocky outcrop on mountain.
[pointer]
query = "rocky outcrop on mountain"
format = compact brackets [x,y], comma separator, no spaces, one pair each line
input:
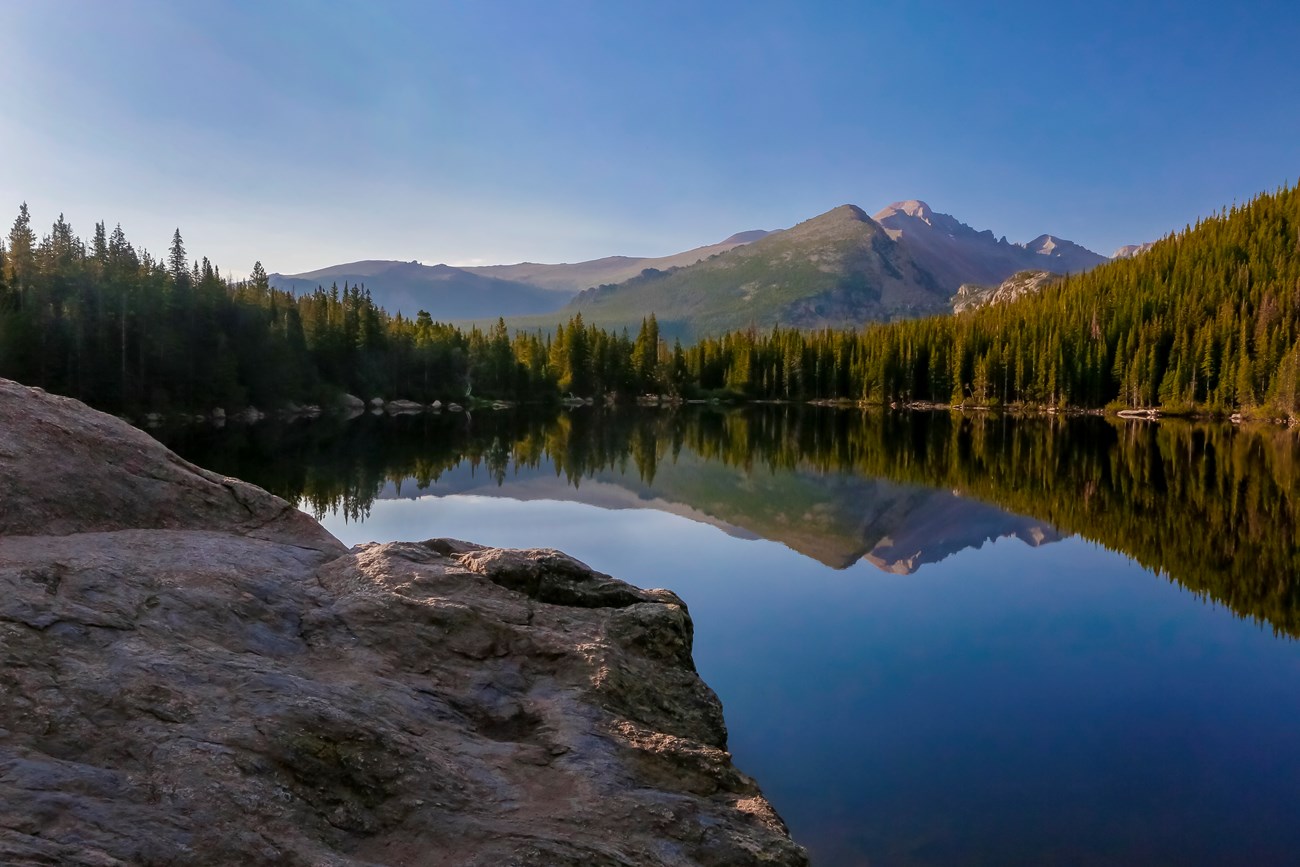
[1128,251]
[196,672]
[955,254]
[972,297]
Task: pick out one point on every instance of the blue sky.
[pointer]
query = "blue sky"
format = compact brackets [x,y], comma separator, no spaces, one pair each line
[309,133]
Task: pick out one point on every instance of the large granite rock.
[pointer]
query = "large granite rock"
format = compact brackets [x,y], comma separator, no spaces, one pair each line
[68,469]
[195,673]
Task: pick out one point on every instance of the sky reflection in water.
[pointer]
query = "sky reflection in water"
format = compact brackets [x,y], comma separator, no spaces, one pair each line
[1007,704]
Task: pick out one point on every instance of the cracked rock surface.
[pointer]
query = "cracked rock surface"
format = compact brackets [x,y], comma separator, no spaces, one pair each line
[194,672]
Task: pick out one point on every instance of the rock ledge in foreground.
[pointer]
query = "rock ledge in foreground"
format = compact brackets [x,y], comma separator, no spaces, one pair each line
[195,672]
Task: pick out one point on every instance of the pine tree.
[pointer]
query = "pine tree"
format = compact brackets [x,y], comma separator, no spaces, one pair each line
[22,254]
[178,262]
[645,356]
[258,281]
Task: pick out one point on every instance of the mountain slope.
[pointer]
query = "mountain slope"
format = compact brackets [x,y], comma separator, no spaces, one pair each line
[954,253]
[445,292]
[838,269]
[572,278]
[971,297]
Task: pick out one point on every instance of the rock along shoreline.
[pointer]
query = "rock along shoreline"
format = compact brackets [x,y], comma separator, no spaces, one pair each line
[195,672]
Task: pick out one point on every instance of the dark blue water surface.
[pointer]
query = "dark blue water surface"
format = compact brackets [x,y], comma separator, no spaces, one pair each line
[1008,704]
[916,676]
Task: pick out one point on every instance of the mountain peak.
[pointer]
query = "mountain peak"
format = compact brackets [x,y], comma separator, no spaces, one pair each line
[1067,256]
[844,221]
[1046,245]
[913,208]
[852,212]
[914,215]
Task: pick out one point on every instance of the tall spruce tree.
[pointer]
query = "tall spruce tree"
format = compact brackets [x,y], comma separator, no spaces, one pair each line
[177,262]
[22,254]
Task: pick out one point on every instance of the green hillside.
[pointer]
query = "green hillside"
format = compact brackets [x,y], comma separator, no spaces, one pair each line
[837,270]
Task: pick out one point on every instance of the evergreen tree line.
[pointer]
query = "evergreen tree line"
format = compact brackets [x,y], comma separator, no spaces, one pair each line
[110,324]
[1207,320]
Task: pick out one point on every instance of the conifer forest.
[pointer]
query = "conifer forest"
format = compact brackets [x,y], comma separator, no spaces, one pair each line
[1207,321]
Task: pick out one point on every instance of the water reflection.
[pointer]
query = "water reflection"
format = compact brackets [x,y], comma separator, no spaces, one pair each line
[1210,506]
[1011,704]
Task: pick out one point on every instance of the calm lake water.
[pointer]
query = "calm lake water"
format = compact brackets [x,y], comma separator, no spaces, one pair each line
[938,639]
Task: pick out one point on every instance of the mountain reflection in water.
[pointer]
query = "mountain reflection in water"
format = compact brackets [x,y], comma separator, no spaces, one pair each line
[843,519]
[1210,506]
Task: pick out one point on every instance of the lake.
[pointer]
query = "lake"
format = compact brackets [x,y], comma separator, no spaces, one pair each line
[938,638]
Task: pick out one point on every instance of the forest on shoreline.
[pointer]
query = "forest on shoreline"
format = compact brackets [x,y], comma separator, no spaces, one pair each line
[1206,322]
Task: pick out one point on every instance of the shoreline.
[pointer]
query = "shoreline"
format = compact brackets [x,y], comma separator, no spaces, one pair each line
[401,407]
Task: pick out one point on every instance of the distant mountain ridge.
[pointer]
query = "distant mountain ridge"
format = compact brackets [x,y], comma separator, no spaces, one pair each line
[839,269]
[444,291]
[573,278]
[485,292]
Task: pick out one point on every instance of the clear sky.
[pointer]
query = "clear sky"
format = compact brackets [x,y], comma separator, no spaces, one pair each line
[305,133]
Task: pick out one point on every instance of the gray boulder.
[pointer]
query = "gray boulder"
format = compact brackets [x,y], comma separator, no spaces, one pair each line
[196,672]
